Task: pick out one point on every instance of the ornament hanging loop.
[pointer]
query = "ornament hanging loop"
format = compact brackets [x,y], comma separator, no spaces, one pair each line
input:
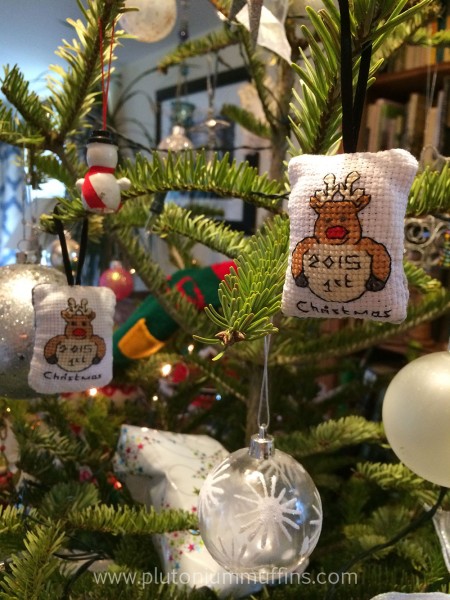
[261,445]
[106,78]
[263,410]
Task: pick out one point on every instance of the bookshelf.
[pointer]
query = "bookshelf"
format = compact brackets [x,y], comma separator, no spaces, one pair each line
[402,88]
[399,85]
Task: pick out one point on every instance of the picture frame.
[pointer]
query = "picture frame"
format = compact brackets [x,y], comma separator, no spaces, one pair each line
[193,107]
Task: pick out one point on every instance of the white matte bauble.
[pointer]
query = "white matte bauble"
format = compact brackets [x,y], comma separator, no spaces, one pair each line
[416,416]
[153,21]
[260,517]
[17,324]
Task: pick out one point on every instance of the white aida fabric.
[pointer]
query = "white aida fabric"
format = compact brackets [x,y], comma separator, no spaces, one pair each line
[73,340]
[346,238]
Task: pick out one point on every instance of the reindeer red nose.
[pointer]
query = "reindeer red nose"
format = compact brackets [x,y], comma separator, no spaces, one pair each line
[79,332]
[336,233]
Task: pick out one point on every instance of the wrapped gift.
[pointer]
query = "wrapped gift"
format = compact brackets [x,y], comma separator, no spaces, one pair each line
[166,470]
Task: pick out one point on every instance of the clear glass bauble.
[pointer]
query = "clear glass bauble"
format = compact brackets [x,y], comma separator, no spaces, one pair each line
[176,141]
[260,517]
[17,324]
[56,259]
[416,416]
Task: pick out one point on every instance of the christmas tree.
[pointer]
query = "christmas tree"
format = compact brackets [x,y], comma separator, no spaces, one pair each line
[69,511]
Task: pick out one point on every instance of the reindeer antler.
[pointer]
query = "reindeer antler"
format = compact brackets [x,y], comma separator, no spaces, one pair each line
[71,310]
[330,188]
[347,190]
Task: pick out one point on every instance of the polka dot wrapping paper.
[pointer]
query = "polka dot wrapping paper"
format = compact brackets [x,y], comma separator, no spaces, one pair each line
[346,235]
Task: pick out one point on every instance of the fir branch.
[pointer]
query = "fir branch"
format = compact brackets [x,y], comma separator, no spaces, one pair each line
[331,436]
[316,113]
[16,90]
[247,120]
[67,497]
[419,279]
[41,447]
[147,371]
[215,235]
[430,192]
[257,71]
[72,96]
[32,570]
[398,477]
[366,334]
[191,171]
[217,374]
[54,168]
[251,294]
[212,42]
[130,520]
[177,306]
[422,37]
[13,519]
[16,132]
[406,33]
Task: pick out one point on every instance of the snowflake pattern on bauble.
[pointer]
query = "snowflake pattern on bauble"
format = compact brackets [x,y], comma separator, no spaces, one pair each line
[270,515]
[211,492]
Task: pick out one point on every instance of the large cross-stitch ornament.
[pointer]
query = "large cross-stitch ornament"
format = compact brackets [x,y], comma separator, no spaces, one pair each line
[73,339]
[260,513]
[346,239]
[165,470]
[100,190]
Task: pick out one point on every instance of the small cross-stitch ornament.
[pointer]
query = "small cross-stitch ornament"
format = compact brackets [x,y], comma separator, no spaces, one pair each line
[260,513]
[100,190]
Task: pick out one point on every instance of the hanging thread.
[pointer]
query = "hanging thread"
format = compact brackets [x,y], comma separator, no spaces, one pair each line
[105,80]
[65,253]
[264,419]
[352,108]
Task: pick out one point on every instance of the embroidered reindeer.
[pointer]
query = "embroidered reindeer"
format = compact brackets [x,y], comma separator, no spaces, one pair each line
[337,263]
[78,348]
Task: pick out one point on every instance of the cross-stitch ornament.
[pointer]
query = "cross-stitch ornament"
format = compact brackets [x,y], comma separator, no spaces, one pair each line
[100,190]
[416,416]
[17,324]
[346,237]
[260,513]
[73,340]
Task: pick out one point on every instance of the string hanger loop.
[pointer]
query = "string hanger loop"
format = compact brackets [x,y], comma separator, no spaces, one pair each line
[106,77]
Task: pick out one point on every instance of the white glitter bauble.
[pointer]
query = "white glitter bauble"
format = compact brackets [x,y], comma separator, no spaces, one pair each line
[17,324]
[260,513]
[416,416]
[152,22]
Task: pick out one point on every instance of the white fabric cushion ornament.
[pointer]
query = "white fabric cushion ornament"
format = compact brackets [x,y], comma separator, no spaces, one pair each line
[73,341]
[346,238]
